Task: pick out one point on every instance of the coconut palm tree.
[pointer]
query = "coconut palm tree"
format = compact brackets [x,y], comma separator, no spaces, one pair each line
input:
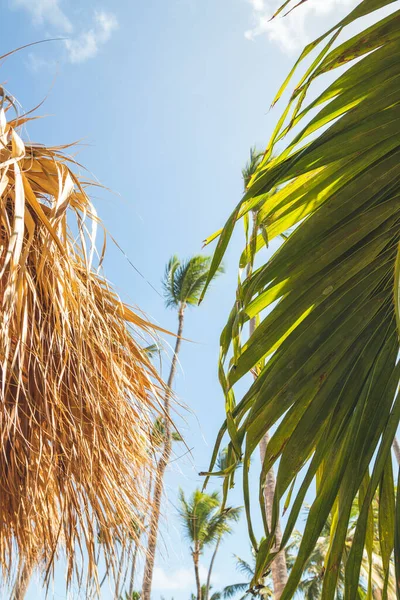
[73,376]
[328,302]
[182,283]
[205,524]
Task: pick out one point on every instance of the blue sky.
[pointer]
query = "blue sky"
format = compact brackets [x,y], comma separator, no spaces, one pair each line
[166,96]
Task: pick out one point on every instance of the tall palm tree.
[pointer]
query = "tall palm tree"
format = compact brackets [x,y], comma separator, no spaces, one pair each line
[328,302]
[278,566]
[205,524]
[182,283]
[73,377]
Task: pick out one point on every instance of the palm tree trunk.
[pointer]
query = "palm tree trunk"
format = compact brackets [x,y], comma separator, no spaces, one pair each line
[22,580]
[137,542]
[396,449]
[211,568]
[279,572]
[278,566]
[196,555]
[162,464]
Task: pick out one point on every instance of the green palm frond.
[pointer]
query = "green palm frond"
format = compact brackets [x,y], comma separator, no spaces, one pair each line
[171,291]
[328,304]
[244,567]
[219,524]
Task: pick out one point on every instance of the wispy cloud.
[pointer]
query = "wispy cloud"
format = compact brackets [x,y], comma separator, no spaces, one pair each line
[181,579]
[82,43]
[86,45]
[293,31]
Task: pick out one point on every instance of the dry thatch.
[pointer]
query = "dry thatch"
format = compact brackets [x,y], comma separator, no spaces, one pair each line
[77,392]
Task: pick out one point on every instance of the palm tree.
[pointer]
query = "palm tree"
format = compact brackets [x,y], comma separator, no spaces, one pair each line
[205,524]
[182,283]
[328,302]
[73,375]
[278,565]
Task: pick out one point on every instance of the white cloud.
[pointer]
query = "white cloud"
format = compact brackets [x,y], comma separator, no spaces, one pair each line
[86,45]
[80,45]
[46,12]
[181,579]
[294,31]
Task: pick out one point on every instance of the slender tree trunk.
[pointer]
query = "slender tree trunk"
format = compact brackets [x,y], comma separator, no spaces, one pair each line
[23,578]
[196,555]
[396,449]
[278,566]
[162,464]
[211,568]
[137,543]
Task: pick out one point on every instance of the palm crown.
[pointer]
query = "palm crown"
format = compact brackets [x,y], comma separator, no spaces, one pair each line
[202,519]
[184,280]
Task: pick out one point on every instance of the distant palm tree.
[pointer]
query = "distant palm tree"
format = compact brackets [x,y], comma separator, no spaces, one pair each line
[205,524]
[182,283]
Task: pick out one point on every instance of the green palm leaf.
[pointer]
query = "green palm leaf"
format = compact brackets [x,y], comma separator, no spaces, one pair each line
[327,301]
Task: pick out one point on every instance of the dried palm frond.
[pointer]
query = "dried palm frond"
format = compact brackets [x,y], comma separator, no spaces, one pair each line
[78,395]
